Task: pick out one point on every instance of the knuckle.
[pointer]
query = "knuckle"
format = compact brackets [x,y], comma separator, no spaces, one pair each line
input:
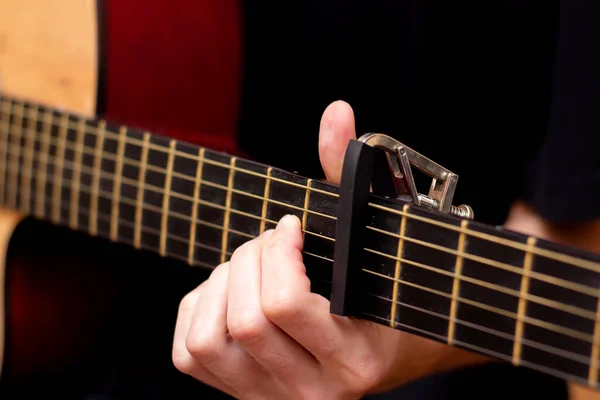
[220,271]
[280,305]
[188,302]
[202,347]
[245,250]
[249,328]
[182,361]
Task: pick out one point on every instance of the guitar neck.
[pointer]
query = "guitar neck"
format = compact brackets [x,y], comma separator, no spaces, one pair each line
[471,285]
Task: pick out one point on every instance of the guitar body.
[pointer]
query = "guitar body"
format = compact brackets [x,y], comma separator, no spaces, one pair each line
[48,52]
[172,68]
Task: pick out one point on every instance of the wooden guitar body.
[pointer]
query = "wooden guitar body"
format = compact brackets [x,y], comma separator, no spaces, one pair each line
[38,39]
[172,69]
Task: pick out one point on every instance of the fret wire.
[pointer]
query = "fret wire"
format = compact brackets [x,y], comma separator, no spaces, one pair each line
[552,371]
[397,270]
[496,264]
[5,134]
[306,204]
[491,353]
[549,326]
[572,260]
[113,135]
[438,337]
[575,261]
[541,346]
[139,204]
[552,255]
[549,303]
[532,321]
[511,292]
[77,163]
[224,187]
[28,153]
[537,345]
[192,248]
[13,158]
[527,264]
[107,217]
[43,164]
[523,363]
[458,321]
[266,195]
[99,150]
[58,169]
[118,176]
[166,196]
[227,210]
[595,353]
[483,260]
[457,278]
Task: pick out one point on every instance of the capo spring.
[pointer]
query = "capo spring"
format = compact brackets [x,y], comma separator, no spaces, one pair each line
[357,178]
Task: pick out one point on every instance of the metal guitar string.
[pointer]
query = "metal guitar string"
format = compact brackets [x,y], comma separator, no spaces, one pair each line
[575,261]
[539,345]
[507,267]
[553,327]
[550,349]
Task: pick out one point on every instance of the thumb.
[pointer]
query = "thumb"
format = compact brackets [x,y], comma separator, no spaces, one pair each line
[336,131]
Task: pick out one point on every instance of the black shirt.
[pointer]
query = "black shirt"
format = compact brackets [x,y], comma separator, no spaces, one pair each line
[505,93]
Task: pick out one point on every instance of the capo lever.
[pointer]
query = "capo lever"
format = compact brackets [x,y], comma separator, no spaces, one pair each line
[401,159]
[357,177]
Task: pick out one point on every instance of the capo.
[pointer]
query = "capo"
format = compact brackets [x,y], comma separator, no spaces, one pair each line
[354,193]
[360,163]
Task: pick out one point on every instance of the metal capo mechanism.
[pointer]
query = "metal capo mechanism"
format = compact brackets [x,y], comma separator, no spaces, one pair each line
[358,174]
[401,159]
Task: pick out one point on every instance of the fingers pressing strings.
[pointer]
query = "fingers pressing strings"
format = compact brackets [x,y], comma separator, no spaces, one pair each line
[251,328]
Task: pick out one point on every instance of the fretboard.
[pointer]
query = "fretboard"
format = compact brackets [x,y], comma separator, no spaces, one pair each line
[471,285]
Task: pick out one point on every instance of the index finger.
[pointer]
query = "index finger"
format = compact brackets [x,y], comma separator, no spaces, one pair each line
[287,300]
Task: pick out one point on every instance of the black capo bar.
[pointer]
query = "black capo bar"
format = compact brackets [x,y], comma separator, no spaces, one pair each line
[357,173]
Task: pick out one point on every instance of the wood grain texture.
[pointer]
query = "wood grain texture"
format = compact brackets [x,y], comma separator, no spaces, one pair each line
[47,54]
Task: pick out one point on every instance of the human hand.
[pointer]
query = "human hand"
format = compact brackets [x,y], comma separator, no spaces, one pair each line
[255,330]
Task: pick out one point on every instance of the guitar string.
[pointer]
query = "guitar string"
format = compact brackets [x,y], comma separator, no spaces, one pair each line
[513,269]
[20,127]
[568,259]
[524,363]
[585,360]
[533,321]
[251,236]
[549,254]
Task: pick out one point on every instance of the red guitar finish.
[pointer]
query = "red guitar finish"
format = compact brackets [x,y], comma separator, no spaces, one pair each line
[175,68]
[169,67]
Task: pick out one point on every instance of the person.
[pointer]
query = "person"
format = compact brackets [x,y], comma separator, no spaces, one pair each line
[255,330]
[510,109]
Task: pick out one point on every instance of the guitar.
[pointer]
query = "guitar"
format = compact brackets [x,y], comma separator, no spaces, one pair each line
[481,288]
